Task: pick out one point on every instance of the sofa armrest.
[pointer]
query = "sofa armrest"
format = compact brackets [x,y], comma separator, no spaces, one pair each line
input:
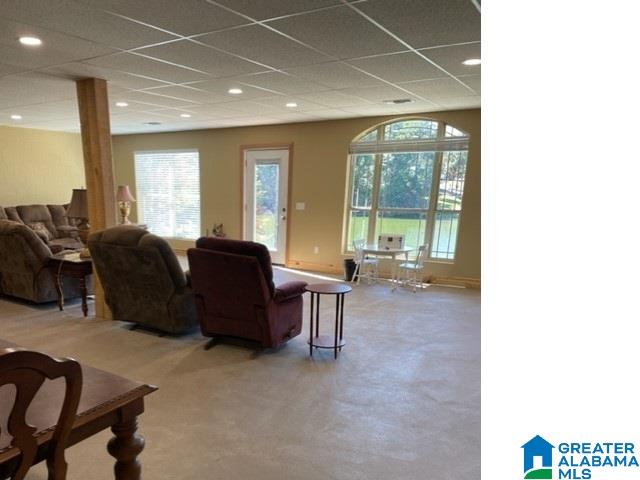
[289,290]
[187,274]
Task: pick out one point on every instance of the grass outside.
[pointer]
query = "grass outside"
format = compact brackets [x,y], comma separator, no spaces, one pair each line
[444,235]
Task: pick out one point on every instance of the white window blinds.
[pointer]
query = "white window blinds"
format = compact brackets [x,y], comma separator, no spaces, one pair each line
[168,192]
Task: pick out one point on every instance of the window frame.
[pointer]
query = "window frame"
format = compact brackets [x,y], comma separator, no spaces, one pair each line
[432,210]
[165,151]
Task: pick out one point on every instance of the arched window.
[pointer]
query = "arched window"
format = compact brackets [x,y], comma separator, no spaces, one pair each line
[407,177]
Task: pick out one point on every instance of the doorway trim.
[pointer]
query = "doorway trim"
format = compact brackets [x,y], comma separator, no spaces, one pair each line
[243,170]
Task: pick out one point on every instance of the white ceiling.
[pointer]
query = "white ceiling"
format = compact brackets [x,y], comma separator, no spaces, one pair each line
[334,58]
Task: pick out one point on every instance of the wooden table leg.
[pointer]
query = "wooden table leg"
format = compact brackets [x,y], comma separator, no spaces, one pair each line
[311,328]
[125,448]
[83,291]
[59,292]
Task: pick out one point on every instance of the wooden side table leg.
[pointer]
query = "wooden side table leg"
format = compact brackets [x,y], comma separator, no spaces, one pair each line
[311,328]
[125,448]
[60,292]
[337,327]
[83,291]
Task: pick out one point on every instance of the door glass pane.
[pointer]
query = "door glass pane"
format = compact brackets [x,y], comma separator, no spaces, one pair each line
[454,166]
[445,235]
[362,180]
[406,180]
[266,204]
[358,227]
[410,224]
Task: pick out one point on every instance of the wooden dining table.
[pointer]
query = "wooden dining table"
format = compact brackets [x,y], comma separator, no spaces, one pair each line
[107,401]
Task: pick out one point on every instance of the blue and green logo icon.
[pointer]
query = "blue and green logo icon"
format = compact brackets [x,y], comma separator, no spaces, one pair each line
[540,448]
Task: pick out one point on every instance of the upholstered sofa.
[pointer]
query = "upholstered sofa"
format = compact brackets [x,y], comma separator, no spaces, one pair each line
[49,222]
[23,260]
[142,279]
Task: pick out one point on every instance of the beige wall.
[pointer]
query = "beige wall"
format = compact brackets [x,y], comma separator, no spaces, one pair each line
[318,169]
[39,166]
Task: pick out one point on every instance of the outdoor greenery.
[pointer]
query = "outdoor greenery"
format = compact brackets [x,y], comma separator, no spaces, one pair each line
[266,184]
[404,192]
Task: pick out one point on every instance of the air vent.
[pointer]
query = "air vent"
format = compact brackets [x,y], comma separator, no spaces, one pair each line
[398,101]
[152,123]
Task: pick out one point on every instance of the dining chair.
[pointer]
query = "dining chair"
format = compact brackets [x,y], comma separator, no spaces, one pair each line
[411,272]
[27,371]
[365,267]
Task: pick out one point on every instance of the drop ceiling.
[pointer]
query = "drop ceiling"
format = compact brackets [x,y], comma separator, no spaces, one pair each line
[169,59]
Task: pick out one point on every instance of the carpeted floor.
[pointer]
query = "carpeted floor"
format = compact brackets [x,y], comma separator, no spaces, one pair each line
[401,402]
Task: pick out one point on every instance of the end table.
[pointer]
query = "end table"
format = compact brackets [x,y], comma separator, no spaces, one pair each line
[74,266]
[327,341]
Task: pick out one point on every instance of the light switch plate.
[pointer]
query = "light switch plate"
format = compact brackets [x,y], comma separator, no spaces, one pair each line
[300,205]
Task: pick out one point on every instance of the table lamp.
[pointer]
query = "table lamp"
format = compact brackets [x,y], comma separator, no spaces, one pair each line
[124,198]
[79,210]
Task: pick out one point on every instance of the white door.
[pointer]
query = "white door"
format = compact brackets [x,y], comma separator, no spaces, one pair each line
[266,174]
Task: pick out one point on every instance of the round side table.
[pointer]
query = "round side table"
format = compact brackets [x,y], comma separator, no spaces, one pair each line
[327,341]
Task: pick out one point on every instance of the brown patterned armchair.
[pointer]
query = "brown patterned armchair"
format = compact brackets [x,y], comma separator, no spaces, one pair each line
[142,279]
[235,294]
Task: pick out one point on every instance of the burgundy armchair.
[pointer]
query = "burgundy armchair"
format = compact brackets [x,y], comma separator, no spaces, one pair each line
[235,294]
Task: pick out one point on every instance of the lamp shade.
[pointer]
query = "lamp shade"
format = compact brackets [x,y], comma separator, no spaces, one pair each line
[124,194]
[78,207]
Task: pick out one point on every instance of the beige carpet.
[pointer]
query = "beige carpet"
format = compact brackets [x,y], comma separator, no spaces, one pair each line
[401,402]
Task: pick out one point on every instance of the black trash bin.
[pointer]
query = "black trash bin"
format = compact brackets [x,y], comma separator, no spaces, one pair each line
[349,269]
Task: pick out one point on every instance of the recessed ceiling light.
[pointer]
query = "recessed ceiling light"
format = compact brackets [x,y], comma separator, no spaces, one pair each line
[292,105]
[122,104]
[472,61]
[16,117]
[235,91]
[398,101]
[185,115]
[30,41]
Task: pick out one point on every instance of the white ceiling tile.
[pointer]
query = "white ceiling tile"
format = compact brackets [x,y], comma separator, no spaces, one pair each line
[281,82]
[378,94]
[6,69]
[220,90]
[399,67]
[114,78]
[251,108]
[472,81]
[202,58]
[340,32]
[55,49]
[139,65]
[459,102]
[32,88]
[329,113]
[383,109]
[184,17]
[451,58]
[334,99]
[146,97]
[443,87]
[335,75]
[261,10]
[426,23]
[260,44]
[280,103]
[185,92]
[82,21]
[215,111]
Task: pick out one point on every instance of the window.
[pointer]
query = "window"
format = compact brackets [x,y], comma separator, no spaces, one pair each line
[407,177]
[168,189]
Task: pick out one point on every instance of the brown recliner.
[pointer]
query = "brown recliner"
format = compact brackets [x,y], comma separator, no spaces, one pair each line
[142,279]
[236,296]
